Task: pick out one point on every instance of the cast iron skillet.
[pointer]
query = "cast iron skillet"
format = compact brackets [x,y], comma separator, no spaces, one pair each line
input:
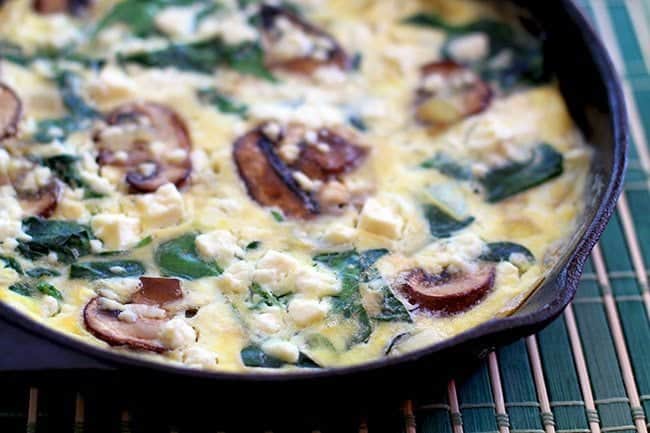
[592,90]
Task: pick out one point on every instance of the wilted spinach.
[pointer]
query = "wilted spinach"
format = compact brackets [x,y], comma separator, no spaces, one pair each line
[10,262]
[260,296]
[42,272]
[254,356]
[501,251]
[15,54]
[179,258]
[392,309]
[30,288]
[351,268]
[69,240]
[65,167]
[107,269]
[80,113]
[441,223]
[544,164]
[222,102]
[446,165]
[204,56]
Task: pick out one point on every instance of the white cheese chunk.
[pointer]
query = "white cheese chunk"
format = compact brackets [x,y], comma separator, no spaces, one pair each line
[274,271]
[116,231]
[176,21]
[236,278]
[380,220]
[469,48]
[177,333]
[317,282]
[162,208]
[49,306]
[198,357]
[284,350]
[339,234]
[269,321]
[304,312]
[221,245]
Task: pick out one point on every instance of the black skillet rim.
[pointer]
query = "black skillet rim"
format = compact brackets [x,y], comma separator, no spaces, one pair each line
[565,276]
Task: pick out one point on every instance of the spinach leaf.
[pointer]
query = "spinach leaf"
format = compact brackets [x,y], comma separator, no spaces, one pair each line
[254,356]
[65,168]
[109,269]
[544,164]
[179,258]
[138,15]
[42,272]
[277,215]
[222,102]
[357,122]
[204,56]
[392,309]
[10,262]
[80,113]
[69,240]
[352,267]
[144,242]
[22,288]
[48,289]
[501,251]
[15,54]
[260,296]
[253,245]
[441,223]
[446,165]
[27,288]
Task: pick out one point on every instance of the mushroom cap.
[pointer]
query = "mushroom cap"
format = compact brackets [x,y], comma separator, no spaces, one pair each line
[158,291]
[448,293]
[11,109]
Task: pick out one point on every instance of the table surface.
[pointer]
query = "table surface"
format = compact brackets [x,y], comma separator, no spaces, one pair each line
[587,372]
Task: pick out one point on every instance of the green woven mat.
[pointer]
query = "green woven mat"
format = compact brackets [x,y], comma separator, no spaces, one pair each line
[587,372]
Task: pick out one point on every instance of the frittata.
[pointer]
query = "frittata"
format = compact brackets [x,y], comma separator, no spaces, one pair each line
[245,185]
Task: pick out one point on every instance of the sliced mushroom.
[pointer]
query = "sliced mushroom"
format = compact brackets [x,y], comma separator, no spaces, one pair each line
[333,155]
[158,291]
[11,109]
[60,6]
[105,325]
[448,93]
[446,292]
[293,44]
[290,180]
[269,181]
[42,202]
[132,141]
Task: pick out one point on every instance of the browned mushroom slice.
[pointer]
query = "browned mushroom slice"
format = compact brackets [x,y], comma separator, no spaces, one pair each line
[60,6]
[268,180]
[142,126]
[446,292]
[333,155]
[42,202]
[158,291]
[448,93]
[10,111]
[105,325]
[298,46]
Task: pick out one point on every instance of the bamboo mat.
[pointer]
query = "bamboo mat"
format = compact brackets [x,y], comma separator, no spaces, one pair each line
[587,372]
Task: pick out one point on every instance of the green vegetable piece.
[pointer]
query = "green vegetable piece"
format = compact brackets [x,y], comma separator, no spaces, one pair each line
[352,267]
[253,356]
[259,296]
[358,123]
[42,272]
[65,167]
[104,270]
[204,56]
[277,215]
[222,102]
[69,240]
[179,258]
[144,242]
[441,224]
[501,251]
[48,289]
[80,117]
[544,164]
[10,262]
[448,166]
[392,309]
[253,245]
[21,288]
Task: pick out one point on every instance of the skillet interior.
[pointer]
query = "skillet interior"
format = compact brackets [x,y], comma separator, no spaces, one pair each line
[590,86]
